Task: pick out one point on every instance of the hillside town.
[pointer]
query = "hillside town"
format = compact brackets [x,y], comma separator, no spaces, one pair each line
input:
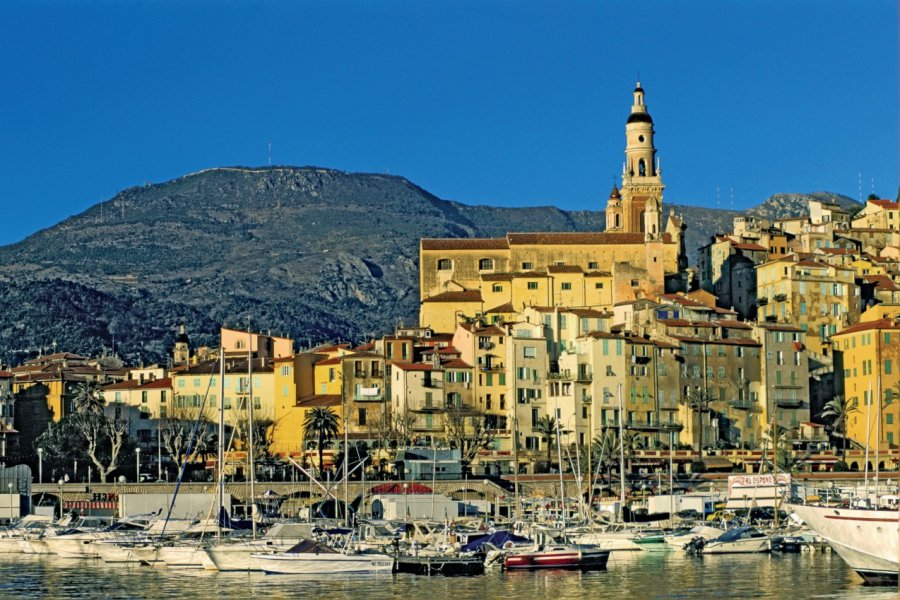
[531,349]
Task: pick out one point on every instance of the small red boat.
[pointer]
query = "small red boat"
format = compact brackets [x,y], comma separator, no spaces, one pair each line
[585,558]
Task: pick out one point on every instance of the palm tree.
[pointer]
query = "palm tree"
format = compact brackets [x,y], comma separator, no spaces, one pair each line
[837,410]
[547,427]
[698,400]
[322,424]
[88,398]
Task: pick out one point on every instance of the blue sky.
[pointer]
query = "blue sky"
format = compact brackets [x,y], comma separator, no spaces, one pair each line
[508,103]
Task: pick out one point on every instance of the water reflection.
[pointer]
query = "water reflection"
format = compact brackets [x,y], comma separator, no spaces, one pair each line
[630,575]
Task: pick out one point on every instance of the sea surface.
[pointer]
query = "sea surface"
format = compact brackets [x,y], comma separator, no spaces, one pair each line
[629,575]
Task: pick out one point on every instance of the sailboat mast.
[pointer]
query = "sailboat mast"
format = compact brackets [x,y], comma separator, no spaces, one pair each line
[868,441]
[346,453]
[221,444]
[621,457]
[251,457]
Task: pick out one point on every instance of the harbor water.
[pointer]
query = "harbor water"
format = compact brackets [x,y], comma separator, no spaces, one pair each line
[629,575]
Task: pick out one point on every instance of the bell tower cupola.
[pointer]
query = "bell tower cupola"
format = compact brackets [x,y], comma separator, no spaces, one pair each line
[642,185]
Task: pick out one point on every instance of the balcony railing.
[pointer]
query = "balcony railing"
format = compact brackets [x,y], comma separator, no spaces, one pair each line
[654,425]
[762,301]
[780,297]
[584,377]
[788,402]
[426,409]
[432,383]
[379,397]
[586,399]
[564,375]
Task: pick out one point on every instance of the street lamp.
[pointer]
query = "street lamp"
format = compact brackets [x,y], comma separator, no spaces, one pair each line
[61,481]
[9,486]
[406,497]
[137,461]
[40,452]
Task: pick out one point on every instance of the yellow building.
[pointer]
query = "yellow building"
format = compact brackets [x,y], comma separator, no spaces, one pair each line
[869,363]
[637,256]
[820,298]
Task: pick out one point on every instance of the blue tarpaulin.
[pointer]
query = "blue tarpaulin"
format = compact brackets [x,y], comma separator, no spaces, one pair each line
[498,539]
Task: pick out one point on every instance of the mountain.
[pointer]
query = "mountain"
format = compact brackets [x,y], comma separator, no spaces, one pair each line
[313,253]
[780,206]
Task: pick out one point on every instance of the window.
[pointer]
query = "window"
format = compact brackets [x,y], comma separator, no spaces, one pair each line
[496,288]
[598,285]
[485,264]
[566,285]
[593,265]
[527,265]
[444,264]
[162,397]
[529,352]
[887,367]
[144,396]
[285,370]
[361,416]
[532,285]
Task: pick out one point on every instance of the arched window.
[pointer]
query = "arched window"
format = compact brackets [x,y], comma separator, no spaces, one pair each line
[444,264]
[616,221]
[486,264]
[642,168]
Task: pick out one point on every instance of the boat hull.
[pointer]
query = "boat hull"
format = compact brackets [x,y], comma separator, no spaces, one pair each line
[239,557]
[324,564]
[865,539]
[584,560]
[440,565]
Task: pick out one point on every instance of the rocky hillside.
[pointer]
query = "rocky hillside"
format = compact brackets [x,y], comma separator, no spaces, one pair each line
[780,206]
[313,253]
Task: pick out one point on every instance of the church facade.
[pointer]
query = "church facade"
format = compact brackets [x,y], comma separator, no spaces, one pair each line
[637,256]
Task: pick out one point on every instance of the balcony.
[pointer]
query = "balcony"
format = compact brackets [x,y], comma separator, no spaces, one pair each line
[564,375]
[584,376]
[587,399]
[360,373]
[426,409]
[372,394]
[432,383]
[779,297]
[788,402]
[654,425]
[486,346]
[762,301]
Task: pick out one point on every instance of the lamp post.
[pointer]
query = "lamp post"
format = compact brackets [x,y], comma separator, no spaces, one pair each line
[61,481]
[137,465]
[9,486]
[406,497]
[40,452]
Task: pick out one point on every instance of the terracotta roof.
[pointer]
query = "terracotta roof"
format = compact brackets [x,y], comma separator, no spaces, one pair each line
[587,313]
[734,324]
[530,274]
[130,384]
[448,350]
[683,300]
[464,244]
[489,330]
[779,327]
[282,359]
[882,282]
[598,274]
[886,204]
[503,308]
[578,238]
[405,366]
[686,323]
[6,374]
[456,364]
[752,247]
[879,324]
[330,348]
[564,269]
[329,361]
[736,342]
[836,251]
[497,277]
[158,384]
[463,296]
[365,347]
[328,400]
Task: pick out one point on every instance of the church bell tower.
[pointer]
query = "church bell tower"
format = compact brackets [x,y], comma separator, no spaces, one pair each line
[640,202]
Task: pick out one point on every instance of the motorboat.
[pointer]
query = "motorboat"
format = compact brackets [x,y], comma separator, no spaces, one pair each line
[30,526]
[682,539]
[865,538]
[315,558]
[741,540]
[557,556]
[609,538]
[237,555]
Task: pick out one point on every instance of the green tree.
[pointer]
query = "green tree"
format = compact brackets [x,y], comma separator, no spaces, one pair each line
[546,427]
[321,424]
[837,410]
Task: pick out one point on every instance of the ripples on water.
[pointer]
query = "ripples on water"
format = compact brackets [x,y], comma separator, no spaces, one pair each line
[630,575]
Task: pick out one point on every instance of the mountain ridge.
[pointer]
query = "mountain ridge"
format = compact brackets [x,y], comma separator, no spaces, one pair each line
[314,253]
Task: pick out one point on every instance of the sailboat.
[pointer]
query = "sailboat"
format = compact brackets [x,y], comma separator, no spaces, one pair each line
[315,558]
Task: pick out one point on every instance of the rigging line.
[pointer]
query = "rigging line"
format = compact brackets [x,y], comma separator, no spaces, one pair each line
[190,446]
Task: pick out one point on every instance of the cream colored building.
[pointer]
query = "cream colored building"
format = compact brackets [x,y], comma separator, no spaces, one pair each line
[640,254]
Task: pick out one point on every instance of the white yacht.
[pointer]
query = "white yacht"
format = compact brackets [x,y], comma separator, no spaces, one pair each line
[866,539]
[237,555]
[681,540]
[314,558]
[740,540]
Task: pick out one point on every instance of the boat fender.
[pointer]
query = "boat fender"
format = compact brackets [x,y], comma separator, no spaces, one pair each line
[508,545]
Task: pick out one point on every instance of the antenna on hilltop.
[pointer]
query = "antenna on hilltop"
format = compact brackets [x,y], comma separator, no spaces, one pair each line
[731,199]
[859,187]
[270,154]
[717,197]
[873,185]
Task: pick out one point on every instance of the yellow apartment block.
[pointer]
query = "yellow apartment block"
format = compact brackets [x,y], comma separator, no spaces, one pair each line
[869,361]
